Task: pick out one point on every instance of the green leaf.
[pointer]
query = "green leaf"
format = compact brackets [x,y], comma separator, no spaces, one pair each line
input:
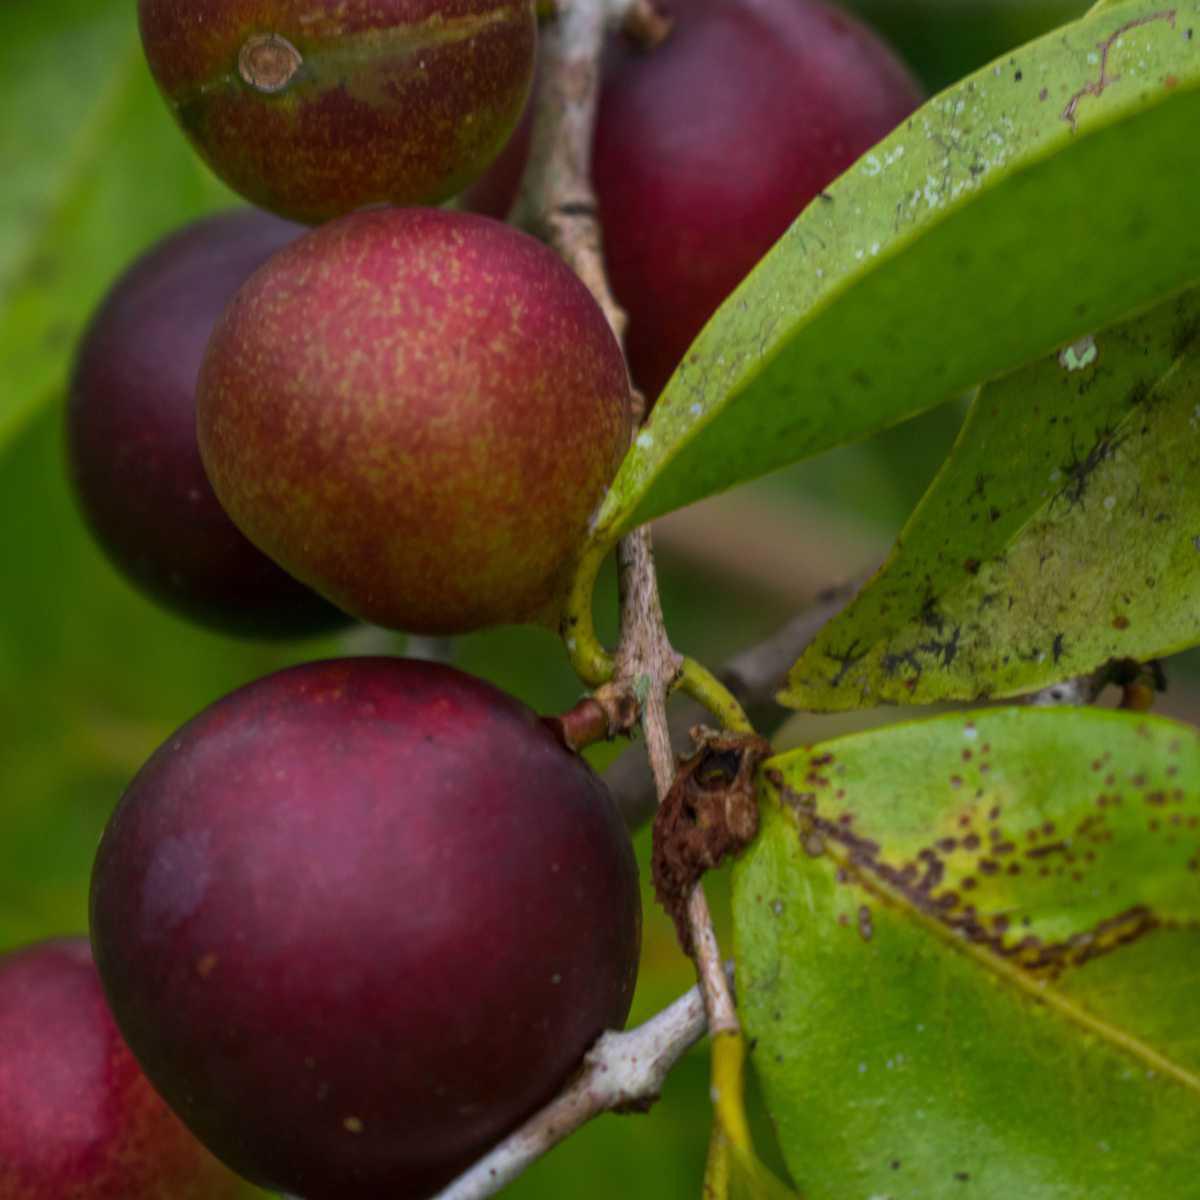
[968,952]
[1043,198]
[102,172]
[1061,533]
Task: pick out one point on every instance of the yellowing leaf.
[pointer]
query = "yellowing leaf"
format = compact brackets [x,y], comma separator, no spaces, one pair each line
[968,953]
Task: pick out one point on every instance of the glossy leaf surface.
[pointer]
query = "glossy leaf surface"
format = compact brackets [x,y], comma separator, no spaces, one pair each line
[1061,533]
[965,244]
[968,953]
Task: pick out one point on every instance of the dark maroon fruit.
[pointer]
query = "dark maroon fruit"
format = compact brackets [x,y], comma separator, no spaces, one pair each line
[313,109]
[709,146]
[131,436]
[78,1119]
[359,919]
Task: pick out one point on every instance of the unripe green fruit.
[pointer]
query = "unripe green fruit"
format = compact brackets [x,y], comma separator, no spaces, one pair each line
[416,412]
[316,108]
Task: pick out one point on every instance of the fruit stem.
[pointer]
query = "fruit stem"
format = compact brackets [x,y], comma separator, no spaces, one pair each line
[581,725]
[592,663]
[704,687]
[556,201]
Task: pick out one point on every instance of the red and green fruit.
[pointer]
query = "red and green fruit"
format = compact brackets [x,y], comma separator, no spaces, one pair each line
[78,1119]
[131,436]
[710,145]
[316,108]
[359,919]
[416,412]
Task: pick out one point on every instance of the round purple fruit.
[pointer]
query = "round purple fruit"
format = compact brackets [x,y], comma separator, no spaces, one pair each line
[78,1119]
[359,919]
[313,109]
[131,436]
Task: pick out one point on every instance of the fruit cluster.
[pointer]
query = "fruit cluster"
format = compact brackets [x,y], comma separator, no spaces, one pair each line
[360,918]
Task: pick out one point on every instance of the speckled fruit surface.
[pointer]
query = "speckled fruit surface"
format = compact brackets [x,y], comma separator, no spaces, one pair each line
[78,1119]
[131,436]
[416,412]
[317,108]
[359,919]
[710,145]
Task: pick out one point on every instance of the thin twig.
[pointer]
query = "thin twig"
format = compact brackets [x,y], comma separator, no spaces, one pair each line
[753,676]
[621,1071]
[646,661]
[556,201]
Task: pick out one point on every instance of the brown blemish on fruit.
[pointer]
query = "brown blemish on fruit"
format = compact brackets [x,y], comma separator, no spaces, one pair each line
[205,965]
[268,63]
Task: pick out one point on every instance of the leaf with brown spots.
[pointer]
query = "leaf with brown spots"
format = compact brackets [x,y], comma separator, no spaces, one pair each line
[1060,534]
[968,952]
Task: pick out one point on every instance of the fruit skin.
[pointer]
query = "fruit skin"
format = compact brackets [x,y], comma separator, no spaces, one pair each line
[709,146]
[78,1119]
[359,919]
[131,436]
[403,101]
[416,412]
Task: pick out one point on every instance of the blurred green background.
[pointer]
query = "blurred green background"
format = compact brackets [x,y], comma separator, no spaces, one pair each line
[93,677]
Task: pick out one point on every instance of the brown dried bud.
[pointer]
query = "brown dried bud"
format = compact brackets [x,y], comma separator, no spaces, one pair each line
[710,813]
